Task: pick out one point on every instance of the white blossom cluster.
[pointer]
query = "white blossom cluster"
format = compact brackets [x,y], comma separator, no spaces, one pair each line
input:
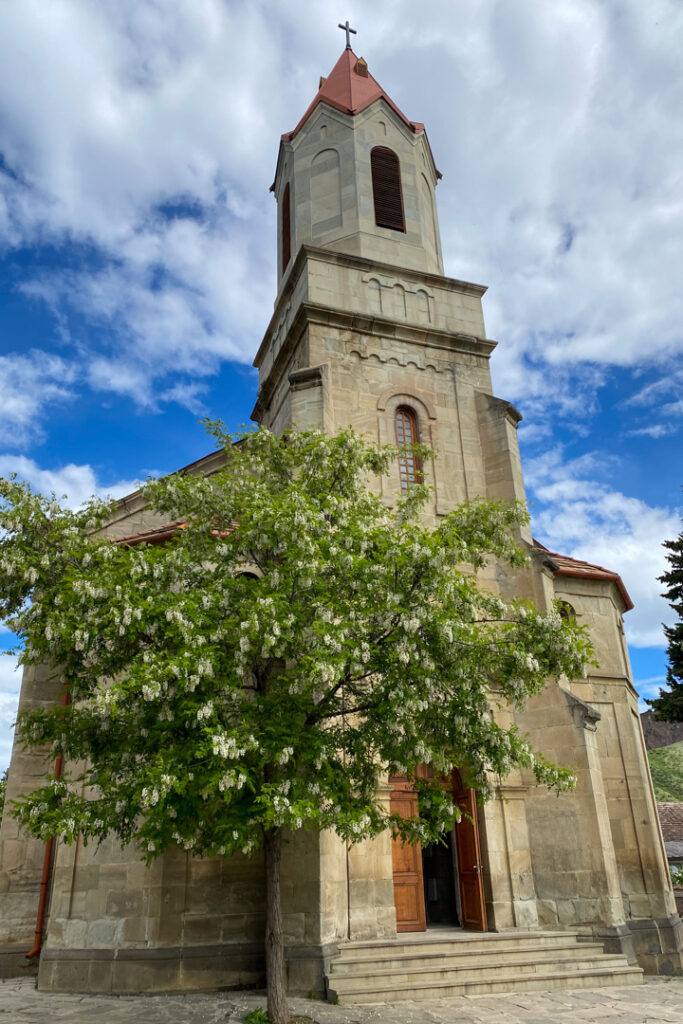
[228,706]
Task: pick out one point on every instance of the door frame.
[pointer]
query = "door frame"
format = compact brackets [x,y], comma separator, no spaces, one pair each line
[407,871]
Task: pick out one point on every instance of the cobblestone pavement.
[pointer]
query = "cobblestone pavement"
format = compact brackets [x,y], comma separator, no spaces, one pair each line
[657,1001]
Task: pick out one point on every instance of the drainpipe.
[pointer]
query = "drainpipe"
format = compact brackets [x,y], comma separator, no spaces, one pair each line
[46,877]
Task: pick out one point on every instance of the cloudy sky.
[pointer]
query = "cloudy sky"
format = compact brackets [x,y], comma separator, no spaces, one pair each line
[138,140]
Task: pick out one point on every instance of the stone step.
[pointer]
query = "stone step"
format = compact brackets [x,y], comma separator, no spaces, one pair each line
[422,977]
[439,942]
[541,981]
[442,964]
[387,960]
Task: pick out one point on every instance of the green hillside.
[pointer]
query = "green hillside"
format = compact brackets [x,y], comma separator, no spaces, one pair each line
[666,765]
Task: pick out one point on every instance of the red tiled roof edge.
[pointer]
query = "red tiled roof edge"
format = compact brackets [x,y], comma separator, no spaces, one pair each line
[157,535]
[160,534]
[671,820]
[564,565]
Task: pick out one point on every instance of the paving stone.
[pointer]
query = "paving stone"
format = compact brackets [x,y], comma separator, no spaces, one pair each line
[655,1002]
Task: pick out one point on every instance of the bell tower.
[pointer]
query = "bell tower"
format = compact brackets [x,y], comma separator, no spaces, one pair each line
[356,176]
[367,331]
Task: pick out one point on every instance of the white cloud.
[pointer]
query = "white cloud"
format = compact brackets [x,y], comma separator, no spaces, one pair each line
[165,118]
[575,173]
[659,401]
[28,385]
[654,431]
[579,516]
[649,688]
[655,392]
[187,395]
[557,128]
[10,684]
[77,483]
[189,301]
[550,397]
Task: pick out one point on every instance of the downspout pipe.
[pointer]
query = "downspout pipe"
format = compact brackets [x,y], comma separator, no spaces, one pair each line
[46,877]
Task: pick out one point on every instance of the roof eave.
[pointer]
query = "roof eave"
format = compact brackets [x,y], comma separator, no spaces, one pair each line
[576,569]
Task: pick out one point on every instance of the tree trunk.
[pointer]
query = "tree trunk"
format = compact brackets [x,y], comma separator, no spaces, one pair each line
[276,974]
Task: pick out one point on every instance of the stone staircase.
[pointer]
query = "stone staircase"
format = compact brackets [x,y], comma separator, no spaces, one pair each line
[441,963]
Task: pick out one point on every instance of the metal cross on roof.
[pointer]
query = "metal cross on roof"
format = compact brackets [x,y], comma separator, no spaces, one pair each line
[347,28]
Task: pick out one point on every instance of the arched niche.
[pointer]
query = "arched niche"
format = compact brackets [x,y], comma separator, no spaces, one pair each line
[286,228]
[326,197]
[375,293]
[429,214]
[397,300]
[422,311]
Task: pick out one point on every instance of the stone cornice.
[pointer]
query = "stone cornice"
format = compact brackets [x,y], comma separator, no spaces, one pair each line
[310,253]
[343,259]
[369,325]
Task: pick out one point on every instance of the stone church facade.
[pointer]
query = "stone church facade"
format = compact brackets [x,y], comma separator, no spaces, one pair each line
[368,331]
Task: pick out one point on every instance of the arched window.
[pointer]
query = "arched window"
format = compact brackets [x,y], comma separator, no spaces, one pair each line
[386,189]
[286,228]
[409,467]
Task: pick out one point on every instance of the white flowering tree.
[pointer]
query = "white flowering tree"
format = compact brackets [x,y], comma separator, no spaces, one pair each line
[294,642]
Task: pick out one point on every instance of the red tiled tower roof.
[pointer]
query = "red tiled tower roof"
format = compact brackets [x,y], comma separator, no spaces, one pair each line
[347,90]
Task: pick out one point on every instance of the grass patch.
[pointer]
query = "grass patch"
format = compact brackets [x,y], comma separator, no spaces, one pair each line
[666,766]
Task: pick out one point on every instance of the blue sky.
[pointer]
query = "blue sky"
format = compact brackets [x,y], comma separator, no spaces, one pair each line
[138,139]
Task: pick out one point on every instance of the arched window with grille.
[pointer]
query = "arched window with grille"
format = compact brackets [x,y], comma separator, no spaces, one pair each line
[386,189]
[286,228]
[409,466]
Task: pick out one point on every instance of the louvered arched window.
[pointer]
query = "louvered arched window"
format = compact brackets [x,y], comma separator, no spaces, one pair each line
[409,468]
[286,228]
[386,189]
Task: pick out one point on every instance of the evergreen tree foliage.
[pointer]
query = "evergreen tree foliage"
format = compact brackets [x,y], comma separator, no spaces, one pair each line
[294,642]
[668,706]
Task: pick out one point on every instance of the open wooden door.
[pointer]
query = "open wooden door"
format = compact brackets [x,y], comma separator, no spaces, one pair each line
[407,863]
[469,859]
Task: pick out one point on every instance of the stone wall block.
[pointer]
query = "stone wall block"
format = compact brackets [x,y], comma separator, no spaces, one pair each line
[200,929]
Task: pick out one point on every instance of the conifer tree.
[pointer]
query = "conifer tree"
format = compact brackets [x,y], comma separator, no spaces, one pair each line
[294,642]
[668,707]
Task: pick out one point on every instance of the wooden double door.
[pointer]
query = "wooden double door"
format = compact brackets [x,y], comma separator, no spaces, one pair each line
[409,882]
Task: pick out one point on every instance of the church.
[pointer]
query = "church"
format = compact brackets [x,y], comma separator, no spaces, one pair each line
[535,891]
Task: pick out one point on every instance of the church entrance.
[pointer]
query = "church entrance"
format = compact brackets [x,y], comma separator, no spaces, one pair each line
[438,884]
